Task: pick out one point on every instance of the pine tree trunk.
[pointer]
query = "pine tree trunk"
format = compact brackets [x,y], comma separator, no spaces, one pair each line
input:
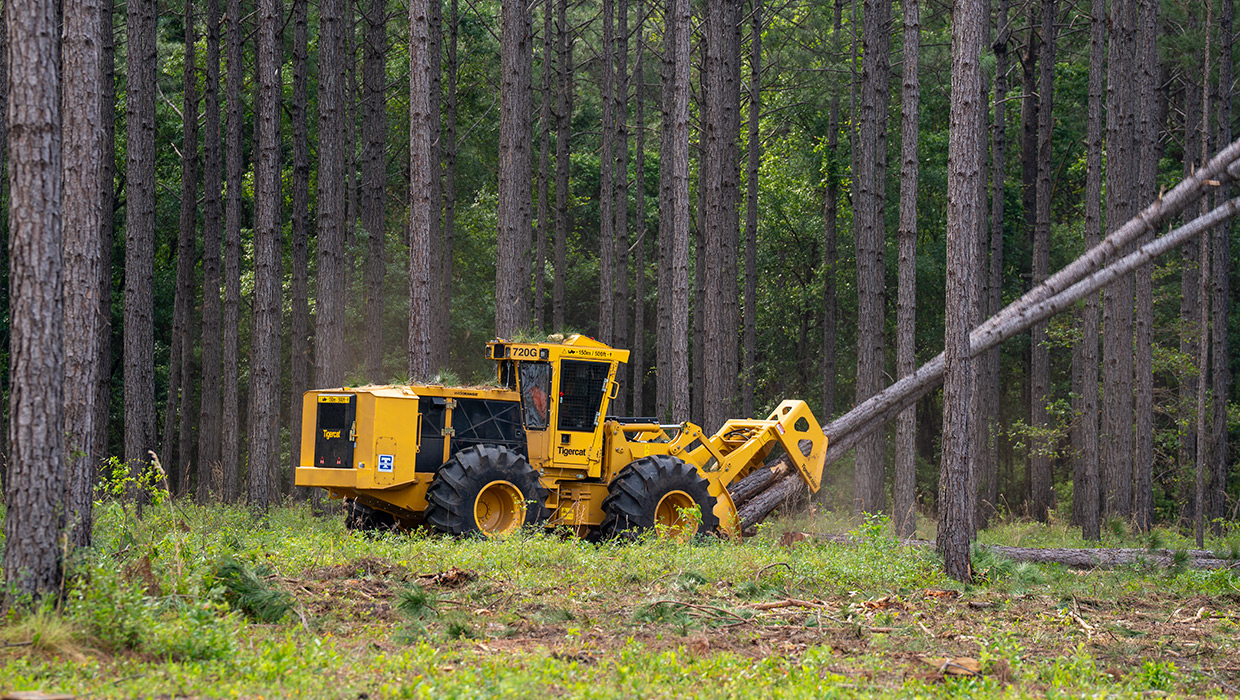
[299,287]
[333,267]
[830,248]
[264,414]
[868,236]
[544,171]
[607,179]
[638,350]
[512,284]
[676,267]
[230,361]
[1221,263]
[830,217]
[1188,264]
[1117,357]
[956,507]
[663,261]
[719,181]
[563,166]
[751,212]
[906,308]
[990,392]
[1147,189]
[1204,429]
[1085,493]
[139,234]
[440,285]
[374,181]
[421,206]
[1040,356]
[449,180]
[620,305]
[35,487]
[107,172]
[4,244]
[83,266]
[181,355]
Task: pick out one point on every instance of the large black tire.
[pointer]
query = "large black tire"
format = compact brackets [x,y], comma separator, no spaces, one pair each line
[657,490]
[485,489]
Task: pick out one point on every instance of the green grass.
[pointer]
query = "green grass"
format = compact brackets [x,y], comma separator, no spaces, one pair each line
[216,602]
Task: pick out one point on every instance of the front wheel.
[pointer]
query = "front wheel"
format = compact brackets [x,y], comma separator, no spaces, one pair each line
[485,489]
[660,493]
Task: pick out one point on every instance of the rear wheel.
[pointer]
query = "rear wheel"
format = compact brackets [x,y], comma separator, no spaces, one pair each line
[659,493]
[485,489]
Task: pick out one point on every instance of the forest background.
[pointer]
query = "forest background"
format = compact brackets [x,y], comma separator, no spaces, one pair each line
[266,266]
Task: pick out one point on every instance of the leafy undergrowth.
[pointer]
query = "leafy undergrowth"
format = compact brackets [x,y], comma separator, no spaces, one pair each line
[213,602]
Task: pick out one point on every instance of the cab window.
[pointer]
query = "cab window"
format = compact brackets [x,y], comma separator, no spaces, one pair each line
[581,393]
[535,393]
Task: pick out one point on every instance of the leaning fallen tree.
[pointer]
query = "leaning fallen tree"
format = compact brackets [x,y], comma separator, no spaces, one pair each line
[1093,558]
[1095,269]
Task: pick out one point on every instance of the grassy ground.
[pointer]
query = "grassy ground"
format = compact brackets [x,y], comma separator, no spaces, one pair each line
[212,602]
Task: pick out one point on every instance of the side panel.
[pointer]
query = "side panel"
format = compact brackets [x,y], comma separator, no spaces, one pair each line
[334,436]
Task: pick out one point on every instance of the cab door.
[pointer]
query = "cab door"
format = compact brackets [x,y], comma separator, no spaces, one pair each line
[581,390]
[536,409]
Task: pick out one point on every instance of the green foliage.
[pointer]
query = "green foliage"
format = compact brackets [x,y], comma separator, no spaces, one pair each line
[242,588]
[416,603]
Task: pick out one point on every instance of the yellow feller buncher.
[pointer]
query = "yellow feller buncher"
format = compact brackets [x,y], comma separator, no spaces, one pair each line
[538,449]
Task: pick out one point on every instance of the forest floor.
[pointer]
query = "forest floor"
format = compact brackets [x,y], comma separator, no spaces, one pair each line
[213,602]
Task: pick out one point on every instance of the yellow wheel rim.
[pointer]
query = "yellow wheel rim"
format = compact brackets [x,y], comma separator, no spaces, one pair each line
[499,509]
[672,515]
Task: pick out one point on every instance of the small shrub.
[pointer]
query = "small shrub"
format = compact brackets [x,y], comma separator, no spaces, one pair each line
[416,603]
[244,590]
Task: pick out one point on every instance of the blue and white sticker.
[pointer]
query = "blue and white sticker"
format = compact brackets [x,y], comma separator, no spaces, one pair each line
[385,463]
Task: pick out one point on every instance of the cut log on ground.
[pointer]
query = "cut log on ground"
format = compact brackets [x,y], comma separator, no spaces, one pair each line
[1099,558]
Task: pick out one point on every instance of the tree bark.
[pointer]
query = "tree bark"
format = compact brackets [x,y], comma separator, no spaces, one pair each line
[421,207]
[1147,183]
[544,169]
[512,287]
[181,355]
[676,266]
[230,361]
[299,286]
[748,379]
[563,165]
[990,392]
[869,243]
[1117,357]
[1221,261]
[264,413]
[1189,334]
[1040,356]
[607,179]
[620,306]
[1086,503]
[638,350]
[1204,429]
[956,507]
[333,267]
[449,178]
[83,266]
[440,285]
[906,306]
[35,487]
[107,171]
[374,181]
[139,233]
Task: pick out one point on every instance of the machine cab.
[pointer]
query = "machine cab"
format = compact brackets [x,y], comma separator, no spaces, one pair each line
[565,389]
